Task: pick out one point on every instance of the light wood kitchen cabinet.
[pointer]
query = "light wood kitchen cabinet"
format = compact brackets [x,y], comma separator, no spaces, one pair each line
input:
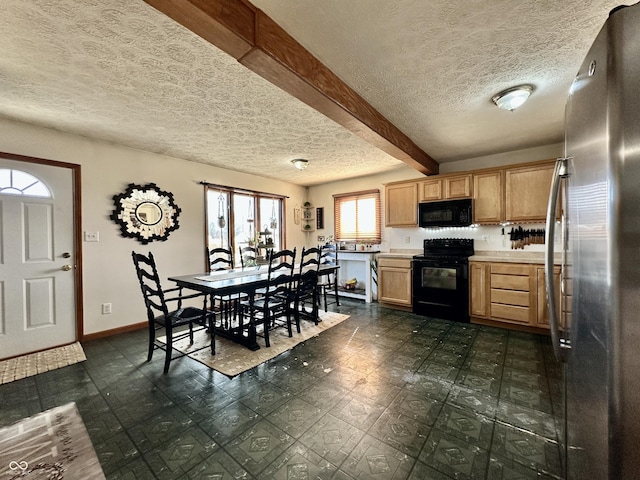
[479,289]
[527,192]
[430,190]
[510,294]
[459,186]
[445,188]
[542,318]
[488,197]
[401,205]
[513,293]
[516,194]
[394,281]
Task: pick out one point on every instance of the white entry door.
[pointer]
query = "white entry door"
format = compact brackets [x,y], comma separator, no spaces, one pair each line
[37,271]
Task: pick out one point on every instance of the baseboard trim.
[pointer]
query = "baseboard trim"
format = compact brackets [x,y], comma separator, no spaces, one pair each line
[114,331]
[510,326]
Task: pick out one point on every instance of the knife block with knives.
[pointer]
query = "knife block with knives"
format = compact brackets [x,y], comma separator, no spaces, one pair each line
[520,237]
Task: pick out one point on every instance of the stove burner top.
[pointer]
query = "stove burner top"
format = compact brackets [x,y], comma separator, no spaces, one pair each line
[447,247]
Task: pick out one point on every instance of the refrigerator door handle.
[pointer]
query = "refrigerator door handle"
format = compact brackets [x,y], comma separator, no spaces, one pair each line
[560,172]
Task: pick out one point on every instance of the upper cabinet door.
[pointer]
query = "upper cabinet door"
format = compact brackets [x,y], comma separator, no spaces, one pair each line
[430,190]
[457,187]
[401,205]
[527,192]
[445,188]
[488,197]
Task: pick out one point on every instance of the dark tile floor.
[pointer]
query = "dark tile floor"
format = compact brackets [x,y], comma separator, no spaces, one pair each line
[383,395]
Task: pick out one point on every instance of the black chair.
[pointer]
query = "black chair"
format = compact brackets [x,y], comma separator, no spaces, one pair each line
[160,317]
[226,306]
[273,309]
[306,292]
[219,259]
[248,256]
[329,281]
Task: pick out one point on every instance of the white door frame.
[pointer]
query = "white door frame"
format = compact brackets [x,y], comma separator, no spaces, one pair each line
[77,228]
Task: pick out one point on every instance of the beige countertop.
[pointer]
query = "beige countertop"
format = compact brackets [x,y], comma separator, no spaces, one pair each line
[400,253]
[510,257]
[505,256]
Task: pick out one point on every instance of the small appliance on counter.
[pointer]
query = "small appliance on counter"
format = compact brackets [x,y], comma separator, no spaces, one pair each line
[441,279]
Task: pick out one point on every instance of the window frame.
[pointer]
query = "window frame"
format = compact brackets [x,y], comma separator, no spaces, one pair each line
[355,236]
[15,187]
[211,193]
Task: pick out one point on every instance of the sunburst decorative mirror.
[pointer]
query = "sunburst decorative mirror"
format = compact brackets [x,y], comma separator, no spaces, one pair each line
[145,212]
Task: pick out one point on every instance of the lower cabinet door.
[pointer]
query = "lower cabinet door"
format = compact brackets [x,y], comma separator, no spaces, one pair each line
[394,281]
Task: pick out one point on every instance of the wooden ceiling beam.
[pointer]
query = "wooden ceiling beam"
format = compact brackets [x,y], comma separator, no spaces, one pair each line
[255,40]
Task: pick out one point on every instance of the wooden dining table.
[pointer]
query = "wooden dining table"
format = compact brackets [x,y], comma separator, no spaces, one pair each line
[235,282]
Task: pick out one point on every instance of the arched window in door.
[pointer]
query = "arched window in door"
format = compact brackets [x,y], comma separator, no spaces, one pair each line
[17,182]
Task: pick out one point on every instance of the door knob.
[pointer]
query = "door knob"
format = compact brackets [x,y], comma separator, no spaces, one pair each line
[66,255]
[66,268]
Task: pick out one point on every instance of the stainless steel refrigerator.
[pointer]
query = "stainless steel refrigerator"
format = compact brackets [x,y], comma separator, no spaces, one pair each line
[596,187]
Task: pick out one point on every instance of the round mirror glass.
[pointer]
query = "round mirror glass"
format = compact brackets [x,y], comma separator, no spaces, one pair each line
[148,213]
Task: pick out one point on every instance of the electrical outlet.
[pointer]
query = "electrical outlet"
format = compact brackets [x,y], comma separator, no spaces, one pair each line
[407,239]
[106,308]
[485,238]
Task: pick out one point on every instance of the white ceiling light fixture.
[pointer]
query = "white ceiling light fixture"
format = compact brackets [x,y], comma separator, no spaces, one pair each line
[300,163]
[513,97]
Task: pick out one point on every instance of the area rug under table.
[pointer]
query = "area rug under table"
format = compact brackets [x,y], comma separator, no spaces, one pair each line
[39,362]
[51,445]
[232,359]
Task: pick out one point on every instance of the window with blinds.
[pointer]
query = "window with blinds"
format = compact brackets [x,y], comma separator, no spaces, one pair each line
[357,217]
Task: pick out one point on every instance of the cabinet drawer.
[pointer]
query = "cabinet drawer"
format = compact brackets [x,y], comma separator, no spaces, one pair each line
[509,312]
[510,282]
[511,268]
[510,297]
[394,262]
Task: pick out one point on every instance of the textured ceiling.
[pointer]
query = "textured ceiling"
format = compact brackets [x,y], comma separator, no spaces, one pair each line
[119,71]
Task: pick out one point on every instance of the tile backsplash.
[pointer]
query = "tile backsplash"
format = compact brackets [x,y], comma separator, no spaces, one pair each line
[490,238]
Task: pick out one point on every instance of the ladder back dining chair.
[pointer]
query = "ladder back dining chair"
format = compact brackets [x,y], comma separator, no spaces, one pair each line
[307,298]
[273,308]
[179,322]
[328,282]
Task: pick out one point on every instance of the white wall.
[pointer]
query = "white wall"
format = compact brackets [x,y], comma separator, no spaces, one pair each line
[107,169]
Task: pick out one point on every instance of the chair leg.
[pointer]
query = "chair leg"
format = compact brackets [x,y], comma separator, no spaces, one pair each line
[315,306]
[324,295]
[152,341]
[266,322]
[288,315]
[335,289]
[297,316]
[191,333]
[169,348]
[212,332]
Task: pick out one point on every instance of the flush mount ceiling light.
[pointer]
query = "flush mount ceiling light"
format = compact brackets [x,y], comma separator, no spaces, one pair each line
[513,97]
[300,163]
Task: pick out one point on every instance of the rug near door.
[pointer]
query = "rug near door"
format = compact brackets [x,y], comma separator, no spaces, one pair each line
[232,359]
[40,362]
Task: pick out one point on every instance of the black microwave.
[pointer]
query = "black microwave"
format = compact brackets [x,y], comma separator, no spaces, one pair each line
[450,213]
